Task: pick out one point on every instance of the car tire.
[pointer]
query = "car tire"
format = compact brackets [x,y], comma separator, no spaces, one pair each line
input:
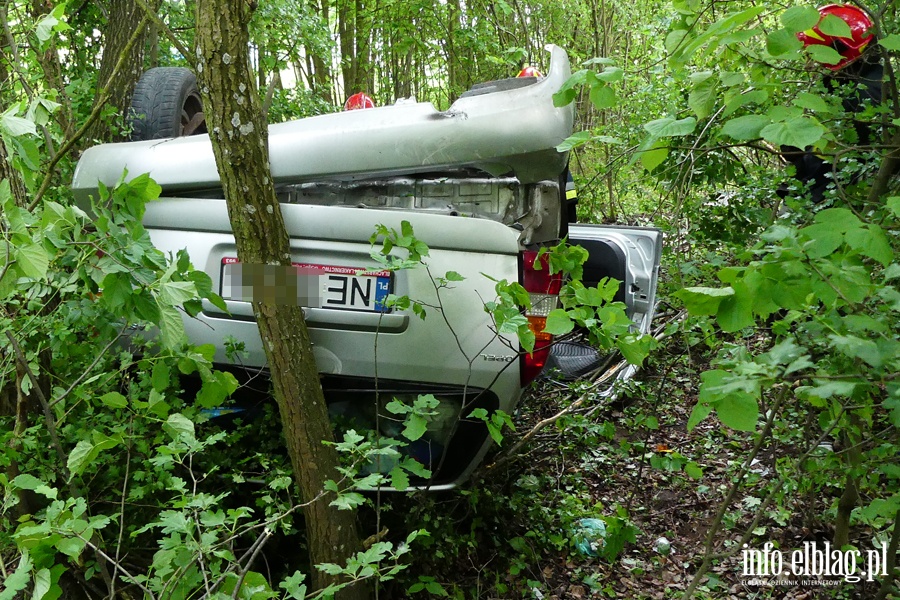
[499,85]
[166,104]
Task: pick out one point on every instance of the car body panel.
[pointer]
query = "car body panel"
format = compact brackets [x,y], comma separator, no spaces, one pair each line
[642,249]
[509,132]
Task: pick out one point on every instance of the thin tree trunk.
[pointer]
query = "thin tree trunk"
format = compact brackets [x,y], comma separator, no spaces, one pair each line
[346,24]
[240,144]
[452,63]
[319,67]
[124,17]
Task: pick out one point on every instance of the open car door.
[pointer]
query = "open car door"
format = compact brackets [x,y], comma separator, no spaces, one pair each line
[630,255]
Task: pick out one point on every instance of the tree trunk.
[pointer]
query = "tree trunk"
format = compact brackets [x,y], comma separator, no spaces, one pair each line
[124,17]
[346,24]
[452,62]
[319,71]
[240,144]
[13,176]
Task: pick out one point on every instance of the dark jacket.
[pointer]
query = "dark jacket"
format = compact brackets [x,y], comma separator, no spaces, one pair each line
[860,83]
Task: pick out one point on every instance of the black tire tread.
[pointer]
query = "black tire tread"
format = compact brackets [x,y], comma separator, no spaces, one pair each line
[158,100]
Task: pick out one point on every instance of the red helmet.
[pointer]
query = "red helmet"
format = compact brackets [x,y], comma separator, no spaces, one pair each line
[850,48]
[529,72]
[359,100]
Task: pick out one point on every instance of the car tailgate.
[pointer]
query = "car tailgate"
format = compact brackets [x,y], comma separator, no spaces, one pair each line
[454,344]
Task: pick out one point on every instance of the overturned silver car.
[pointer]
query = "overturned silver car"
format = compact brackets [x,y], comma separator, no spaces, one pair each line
[484,192]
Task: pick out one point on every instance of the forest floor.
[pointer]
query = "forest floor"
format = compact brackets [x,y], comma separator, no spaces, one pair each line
[636,467]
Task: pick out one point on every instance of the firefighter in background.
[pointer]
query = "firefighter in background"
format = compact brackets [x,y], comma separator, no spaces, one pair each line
[857,77]
[359,101]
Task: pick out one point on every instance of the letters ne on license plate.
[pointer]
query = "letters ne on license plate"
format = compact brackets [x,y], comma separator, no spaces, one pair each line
[323,286]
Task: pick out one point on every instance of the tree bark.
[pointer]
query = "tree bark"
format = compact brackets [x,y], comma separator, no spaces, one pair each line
[320,79]
[124,17]
[240,144]
[346,25]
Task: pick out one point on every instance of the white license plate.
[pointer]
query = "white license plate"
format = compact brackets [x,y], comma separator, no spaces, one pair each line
[318,286]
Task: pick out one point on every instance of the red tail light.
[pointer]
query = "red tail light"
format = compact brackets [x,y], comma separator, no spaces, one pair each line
[543,289]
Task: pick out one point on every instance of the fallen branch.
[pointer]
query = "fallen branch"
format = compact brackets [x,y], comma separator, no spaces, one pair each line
[602,378]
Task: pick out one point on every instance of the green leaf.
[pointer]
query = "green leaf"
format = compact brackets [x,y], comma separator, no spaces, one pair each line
[177,292]
[782,42]
[701,411]
[42,582]
[703,300]
[824,240]
[16,126]
[178,425]
[253,587]
[739,411]
[800,18]
[86,452]
[799,132]
[19,579]
[598,60]
[635,348]
[700,76]
[28,152]
[45,27]
[732,78]
[735,313]
[478,413]
[30,482]
[835,26]
[824,54]
[702,98]
[871,242]
[654,156]
[117,289]
[558,322]
[892,272]
[693,470]
[674,40]
[32,260]
[839,219]
[603,96]
[171,326]
[436,589]
[813,102]
[893,204]
[891,42]
[745,128]
[160,376]
[669,127]
[611,75]
[573,141]
[72,547]
[526,338]
[855,347]
[114,400]
[293,586]
[27,482]
[568,92]
[415,467]
[742,99]
[416,426]
[399,479]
